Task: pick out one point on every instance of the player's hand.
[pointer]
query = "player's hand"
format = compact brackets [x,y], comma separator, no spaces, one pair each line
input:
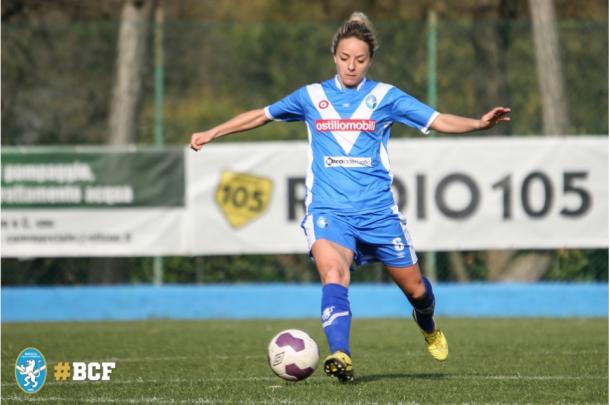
[198,139]
[495,115]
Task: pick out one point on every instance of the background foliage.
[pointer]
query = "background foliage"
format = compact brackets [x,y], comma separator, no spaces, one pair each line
[223,57]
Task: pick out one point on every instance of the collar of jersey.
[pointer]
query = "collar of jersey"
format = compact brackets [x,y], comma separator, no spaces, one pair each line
[340,85]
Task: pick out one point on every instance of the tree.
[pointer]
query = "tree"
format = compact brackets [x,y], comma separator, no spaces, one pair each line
[548,63]
[134,38]
[136,20]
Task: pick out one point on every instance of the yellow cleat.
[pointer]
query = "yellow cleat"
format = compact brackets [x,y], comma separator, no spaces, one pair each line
[436,342]
[339,365]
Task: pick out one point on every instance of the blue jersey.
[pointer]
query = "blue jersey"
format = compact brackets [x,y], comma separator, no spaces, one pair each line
[348,131]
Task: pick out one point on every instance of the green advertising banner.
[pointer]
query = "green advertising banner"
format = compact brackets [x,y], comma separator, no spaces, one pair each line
[92,201]
[92,178]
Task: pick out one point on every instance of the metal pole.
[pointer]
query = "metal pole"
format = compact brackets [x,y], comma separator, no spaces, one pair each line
[159,18]
[430,268]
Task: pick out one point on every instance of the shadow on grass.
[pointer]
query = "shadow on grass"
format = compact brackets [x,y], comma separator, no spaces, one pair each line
[360,379]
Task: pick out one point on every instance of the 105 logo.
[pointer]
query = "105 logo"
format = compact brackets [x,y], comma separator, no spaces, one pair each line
[242,197]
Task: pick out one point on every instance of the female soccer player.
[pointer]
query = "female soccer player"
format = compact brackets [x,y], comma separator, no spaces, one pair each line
[351,215]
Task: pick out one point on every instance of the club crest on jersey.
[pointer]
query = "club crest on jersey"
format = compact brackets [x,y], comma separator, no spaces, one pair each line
[371,101]
[323,104]
[322,223]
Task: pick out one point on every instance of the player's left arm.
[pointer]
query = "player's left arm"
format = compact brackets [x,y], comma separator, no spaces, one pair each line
[455,124]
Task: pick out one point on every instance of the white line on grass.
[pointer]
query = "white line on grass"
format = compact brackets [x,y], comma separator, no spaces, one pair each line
[524,377]
[254,357]
[165,358]
[259,379]
[155,400]
[204,401]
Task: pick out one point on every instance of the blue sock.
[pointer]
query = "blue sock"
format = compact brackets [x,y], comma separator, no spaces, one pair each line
[424,307]
[336,317]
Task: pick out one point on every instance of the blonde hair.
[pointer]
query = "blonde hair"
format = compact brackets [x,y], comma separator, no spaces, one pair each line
[358,26]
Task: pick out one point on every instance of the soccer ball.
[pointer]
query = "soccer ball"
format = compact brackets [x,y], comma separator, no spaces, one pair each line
[293,355]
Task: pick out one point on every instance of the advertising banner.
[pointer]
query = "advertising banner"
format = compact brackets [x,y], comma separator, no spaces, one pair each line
[92,201]
[457,193]
[460,193]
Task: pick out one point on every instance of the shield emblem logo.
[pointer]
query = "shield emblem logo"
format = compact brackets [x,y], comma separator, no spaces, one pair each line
[31,370]
[371,101]
[242,197]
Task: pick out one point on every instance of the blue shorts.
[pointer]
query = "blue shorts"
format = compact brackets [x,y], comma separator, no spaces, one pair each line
[380,236]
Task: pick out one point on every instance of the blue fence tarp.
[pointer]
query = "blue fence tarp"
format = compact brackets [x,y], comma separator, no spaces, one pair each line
[246,301]
[239,301]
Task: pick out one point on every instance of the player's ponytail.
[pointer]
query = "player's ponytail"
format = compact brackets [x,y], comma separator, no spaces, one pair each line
[358,26]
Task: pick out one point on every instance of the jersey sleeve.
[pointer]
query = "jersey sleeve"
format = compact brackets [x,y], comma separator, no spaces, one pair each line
[410,111]
[290,108]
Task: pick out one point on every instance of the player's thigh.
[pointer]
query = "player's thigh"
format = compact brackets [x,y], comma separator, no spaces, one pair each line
[332,245]
[385,237]
[333,262]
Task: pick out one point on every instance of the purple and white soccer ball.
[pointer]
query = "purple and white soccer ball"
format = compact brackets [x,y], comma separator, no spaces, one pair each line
[293,355]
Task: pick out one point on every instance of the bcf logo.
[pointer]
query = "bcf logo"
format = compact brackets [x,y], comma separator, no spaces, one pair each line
[81,371]
[92,371]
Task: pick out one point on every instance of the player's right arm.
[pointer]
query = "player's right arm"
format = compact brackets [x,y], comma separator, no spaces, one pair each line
[242,122]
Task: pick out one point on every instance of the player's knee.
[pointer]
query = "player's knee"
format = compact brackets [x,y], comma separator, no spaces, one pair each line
[414,288]
[335,273]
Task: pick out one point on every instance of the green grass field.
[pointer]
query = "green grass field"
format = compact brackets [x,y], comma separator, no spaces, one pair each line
[491,361]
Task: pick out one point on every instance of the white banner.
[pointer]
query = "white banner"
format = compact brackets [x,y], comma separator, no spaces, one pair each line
[458,193]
